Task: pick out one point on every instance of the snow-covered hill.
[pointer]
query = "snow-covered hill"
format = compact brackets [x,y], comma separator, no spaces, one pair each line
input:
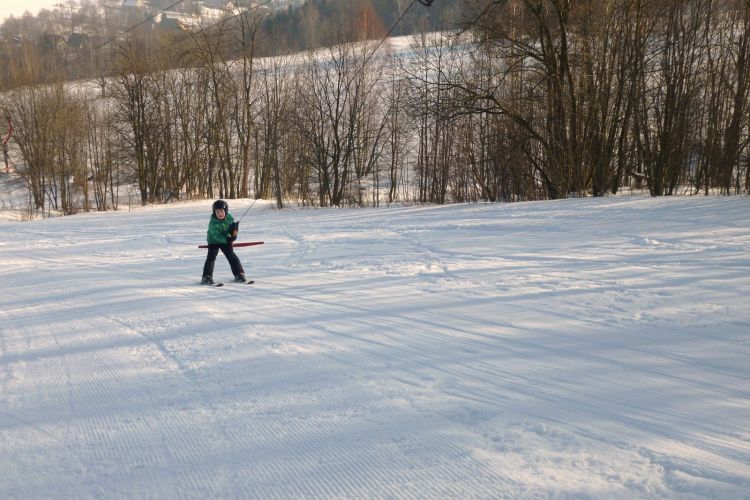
[578,348]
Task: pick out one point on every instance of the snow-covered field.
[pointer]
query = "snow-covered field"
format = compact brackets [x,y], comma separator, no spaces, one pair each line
[580,348]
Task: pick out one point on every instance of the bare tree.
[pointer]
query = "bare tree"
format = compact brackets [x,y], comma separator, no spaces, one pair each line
[211,50]
[324,121]
[274,135]
[734,82]
[669,94]
[246,30]
[49,127]
[103,173]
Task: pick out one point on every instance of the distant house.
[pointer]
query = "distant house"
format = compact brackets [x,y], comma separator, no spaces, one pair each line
[177,20]
[135,3]
[189,21]
[213,4]
[78,40]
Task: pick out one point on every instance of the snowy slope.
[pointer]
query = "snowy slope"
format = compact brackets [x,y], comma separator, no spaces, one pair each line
[579,348]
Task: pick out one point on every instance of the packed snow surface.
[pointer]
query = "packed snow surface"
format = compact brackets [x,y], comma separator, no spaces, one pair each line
[579,348]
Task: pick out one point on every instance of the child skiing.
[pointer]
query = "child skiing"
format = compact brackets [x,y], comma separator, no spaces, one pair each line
[222,231]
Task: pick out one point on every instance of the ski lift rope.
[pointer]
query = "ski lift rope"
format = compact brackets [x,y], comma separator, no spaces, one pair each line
[426,3]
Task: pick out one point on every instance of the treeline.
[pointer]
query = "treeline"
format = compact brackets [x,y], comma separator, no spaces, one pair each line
[317,23]
[530,100]
[587,97]
[75,41]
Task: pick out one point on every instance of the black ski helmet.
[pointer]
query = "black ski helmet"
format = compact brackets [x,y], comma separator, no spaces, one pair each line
[220,204]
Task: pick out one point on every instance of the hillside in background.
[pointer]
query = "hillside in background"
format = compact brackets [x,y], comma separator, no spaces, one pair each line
[528,101]
[75,40]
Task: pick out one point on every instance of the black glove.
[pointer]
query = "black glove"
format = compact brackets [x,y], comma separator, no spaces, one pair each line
[234,226]
[230,239]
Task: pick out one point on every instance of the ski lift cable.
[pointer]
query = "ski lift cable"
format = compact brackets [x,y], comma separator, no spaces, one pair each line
[219,23]
[246,211]
[149,18]
[132,28]
[226,19]
[426,3]
[135,26]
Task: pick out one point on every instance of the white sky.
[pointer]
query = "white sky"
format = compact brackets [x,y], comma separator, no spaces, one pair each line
[18,7]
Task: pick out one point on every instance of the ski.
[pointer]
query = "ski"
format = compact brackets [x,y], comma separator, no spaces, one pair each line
[217,285]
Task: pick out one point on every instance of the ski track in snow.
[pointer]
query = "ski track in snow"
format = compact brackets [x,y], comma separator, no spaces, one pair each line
[592,348]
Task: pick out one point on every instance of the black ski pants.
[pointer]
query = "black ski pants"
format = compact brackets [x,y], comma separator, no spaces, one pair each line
[228,251]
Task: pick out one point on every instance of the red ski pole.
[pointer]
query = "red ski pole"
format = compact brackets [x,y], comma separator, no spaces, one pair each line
[234,245]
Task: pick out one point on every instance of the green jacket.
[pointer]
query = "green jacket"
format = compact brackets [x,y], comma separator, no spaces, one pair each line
[218,230]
